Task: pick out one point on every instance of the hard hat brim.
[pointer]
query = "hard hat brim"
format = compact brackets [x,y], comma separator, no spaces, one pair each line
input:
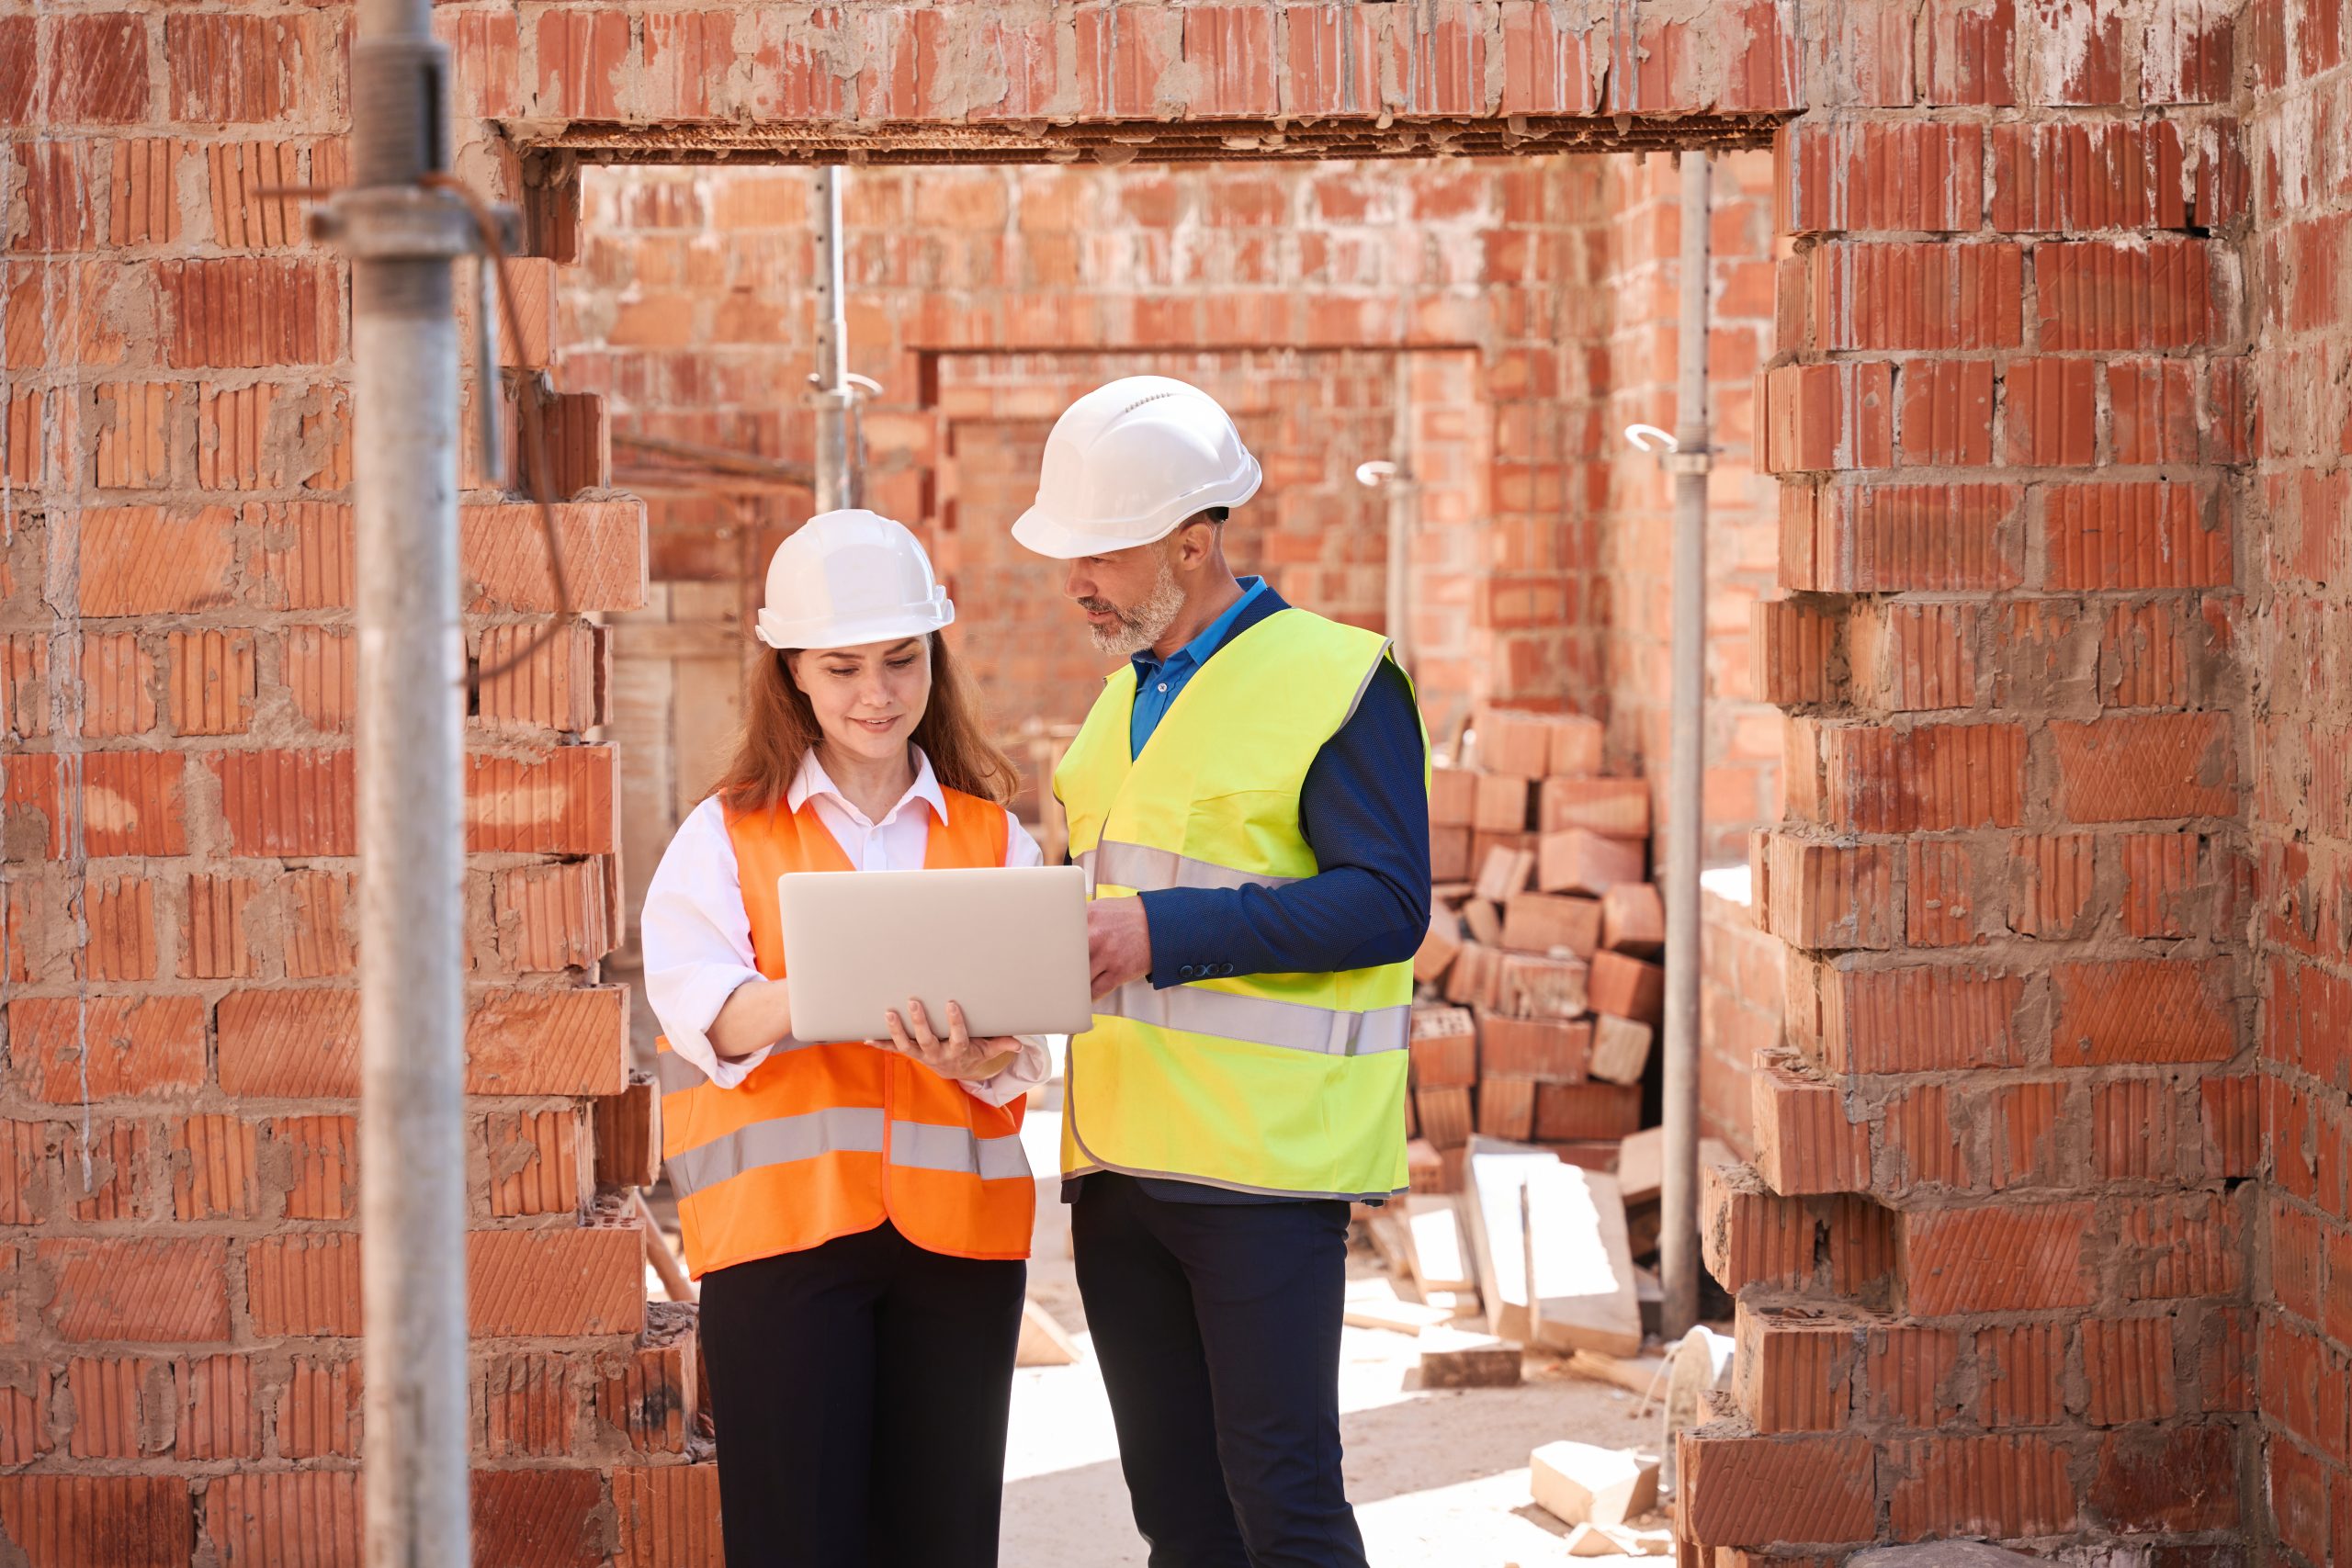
[779,633]
[1042,533]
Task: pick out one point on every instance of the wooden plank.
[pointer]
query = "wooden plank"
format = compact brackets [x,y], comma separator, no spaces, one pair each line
[1440,1256]
[1454,1358]
[1044,1342]
[1495,1216]
[1579,1270]
[1641,1163]
[1372,1304]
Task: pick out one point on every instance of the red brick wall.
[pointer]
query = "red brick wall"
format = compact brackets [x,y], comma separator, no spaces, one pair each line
[2299,276]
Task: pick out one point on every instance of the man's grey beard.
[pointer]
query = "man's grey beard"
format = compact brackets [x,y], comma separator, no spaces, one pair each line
[1137,629]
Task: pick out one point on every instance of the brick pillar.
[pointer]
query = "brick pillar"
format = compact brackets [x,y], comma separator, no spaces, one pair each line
[1992,1254]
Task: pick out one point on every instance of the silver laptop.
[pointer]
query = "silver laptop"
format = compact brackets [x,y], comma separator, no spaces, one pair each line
[1008,944]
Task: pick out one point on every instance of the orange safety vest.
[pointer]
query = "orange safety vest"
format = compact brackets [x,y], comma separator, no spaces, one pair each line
[821,1141]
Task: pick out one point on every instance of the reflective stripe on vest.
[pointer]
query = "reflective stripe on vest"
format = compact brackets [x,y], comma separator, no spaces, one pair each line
[823,1139]
[1264,1083]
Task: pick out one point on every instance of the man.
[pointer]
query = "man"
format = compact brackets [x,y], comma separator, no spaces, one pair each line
[1251,797]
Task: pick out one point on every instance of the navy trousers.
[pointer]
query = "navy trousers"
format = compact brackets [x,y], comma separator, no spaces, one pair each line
[860,1391]
[1217,1327]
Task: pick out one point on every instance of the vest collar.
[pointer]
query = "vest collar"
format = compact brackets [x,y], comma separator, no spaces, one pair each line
[812,780]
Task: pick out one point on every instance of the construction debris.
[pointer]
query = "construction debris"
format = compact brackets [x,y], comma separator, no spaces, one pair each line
[1454,1358]
[1374,1303]
[1044,1342]
[1440,1254]
[1617,1540]
[1581,1283]
[1580,1483]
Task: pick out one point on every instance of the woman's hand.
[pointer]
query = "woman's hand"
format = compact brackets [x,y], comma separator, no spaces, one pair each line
[957,1057]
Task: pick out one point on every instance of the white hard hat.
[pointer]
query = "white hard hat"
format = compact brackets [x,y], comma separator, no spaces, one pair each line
[850,578]
[1127,462]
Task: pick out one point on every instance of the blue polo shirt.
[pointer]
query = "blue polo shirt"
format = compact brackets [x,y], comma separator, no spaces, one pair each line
[1363,808]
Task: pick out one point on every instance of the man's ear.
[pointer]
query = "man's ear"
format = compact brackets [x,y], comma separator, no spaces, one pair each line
[1195,542]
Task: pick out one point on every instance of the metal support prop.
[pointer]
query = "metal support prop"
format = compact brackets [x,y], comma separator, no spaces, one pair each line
[1679,1194]
[836,483]
[403,241]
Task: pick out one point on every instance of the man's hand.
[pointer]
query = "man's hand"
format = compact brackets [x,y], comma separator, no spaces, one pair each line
[957,1057]
[1118,942]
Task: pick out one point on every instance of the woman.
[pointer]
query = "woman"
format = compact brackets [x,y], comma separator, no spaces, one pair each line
[860,1305]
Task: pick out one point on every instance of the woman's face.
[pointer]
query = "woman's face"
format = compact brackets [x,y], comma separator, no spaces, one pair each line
[867,699]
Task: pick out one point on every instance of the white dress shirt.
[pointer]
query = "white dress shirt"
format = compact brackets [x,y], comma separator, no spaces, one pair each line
[697,935]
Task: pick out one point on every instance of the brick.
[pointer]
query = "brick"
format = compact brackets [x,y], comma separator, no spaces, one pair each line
[1630,987]
[115,1182]
[121,1521]
[1542,922]
[1529,985]
[1506,1108]
[228,69]
[236,175]
[1632,920]
[627,1133]
[1848,176]
[139,1288]
[1499,803]
[1828,896]
[305,1517]
[213,1399]
[120,911]
[2153,294]
[2020,1368]
[1939,903]
[142,201]
[647,1396]
[1453,794]
[216,929]
[1621,1049]
[120,803]
[2230,1116]
[538,1161]
[1894,538]
[2025,1258]
[306,554]
[110,1402]
[667,1515]
[1920,1020]
[289,801]
[1445,1114]
[1440,945]
[2182,1478]
[299,1043]
[579,52]
[2001,1487]
[303,1285]
[2143,1010]
[1615,807]
[318,1416]
[68,1050]
[2155,655]
[2050,416]
[1757,1490]
[1450,854]
[1804,1141]
[1946,413]
[2175,1247]
[136,425]
[503,553]
[523,1406]
[24,1424]
[555,1282]
[97,70]
[1796,647]
[571,1041]
[141,560]
[1568,1111]
[2051,883]
[321,669]
[1793,1373]
[555,686]
[250,311]
[1927,778]
[1552,1050]
[2134,536]
[1907,1375]
[2067,178]
[1918,296]
[2128,1367]
[318,944]
[232,448]
[214,1158]
[2156,765]
[1815,418]
[1577,861]
[212,682]
[116,696]
[561,803]
[554,917]
[2163,411]
[2135,1132]
[323,1152]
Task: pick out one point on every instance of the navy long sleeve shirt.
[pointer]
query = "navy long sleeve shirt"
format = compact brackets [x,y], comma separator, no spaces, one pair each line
[1363,808]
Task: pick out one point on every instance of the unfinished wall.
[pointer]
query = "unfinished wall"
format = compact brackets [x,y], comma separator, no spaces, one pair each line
[1992,1258]
[2299,661]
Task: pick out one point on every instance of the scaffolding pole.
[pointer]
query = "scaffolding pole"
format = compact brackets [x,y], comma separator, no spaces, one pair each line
[836,483]
[1679,1193]
[404,241]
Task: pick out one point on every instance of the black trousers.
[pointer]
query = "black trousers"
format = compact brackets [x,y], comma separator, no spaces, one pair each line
[1217,1327]
[860,1390]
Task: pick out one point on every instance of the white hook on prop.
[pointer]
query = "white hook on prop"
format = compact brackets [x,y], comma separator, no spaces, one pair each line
[1643,438]
[1375,473]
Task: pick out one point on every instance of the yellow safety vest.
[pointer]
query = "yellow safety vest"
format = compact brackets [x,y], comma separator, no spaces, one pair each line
[1290,1084]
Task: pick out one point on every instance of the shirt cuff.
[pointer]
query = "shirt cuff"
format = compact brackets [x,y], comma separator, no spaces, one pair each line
[686,1002]
[1030,1066]
[1184,922]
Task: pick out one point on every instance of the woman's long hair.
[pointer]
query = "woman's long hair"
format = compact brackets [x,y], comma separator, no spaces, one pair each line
[779,727]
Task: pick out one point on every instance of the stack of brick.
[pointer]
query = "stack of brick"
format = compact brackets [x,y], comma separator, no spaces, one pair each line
[1542,989]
